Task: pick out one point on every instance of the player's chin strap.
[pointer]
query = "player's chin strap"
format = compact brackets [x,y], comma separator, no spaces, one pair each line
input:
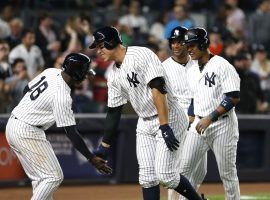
[231,99]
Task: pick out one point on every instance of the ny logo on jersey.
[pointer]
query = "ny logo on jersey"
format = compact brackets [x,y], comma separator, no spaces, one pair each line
[133,80]
[210,80]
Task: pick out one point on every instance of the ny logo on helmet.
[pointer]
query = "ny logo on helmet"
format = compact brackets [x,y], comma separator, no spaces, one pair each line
[176,32]
[210,80]
[133,81]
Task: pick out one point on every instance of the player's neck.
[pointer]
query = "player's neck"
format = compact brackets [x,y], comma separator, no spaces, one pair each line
[120,55]
[183,60]
[204,60]
[66,78]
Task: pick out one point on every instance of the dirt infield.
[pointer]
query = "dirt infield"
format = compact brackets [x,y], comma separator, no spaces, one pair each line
[118,192]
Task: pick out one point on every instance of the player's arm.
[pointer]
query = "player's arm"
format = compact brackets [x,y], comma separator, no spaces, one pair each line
[231,99]
[159,92]
[77,141]
[111,123]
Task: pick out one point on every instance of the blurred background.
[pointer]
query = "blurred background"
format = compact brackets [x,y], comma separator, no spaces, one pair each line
[38,34]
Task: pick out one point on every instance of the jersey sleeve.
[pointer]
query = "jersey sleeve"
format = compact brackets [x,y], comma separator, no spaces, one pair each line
[62,110]
[153,66]
[115,98]
[230,80]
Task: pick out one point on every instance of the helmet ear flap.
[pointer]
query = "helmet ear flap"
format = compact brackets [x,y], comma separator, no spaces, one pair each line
[205,44]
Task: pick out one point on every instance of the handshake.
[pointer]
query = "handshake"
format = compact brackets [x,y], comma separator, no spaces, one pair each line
[100,159]
[102,151]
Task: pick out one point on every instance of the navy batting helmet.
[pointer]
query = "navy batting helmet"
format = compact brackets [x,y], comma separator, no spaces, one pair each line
[177,33]
[76,65]
[198,36]
[108,35]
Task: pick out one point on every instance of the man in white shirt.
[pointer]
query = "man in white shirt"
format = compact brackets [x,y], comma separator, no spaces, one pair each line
[28,51]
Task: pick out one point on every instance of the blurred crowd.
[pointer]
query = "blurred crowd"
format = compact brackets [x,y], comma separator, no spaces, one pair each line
[238,31]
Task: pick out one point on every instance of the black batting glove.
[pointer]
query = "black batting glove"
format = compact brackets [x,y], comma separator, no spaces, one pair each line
[170,140]
[102,152]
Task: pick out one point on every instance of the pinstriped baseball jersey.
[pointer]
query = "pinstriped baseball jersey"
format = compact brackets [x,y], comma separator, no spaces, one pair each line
[178,78]
[47,102]
[217,77]
[130,81]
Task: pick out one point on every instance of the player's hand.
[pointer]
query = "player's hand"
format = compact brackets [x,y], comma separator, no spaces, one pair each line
[170,140]
[190,121]
[101,165]
[102,152]
[203,125]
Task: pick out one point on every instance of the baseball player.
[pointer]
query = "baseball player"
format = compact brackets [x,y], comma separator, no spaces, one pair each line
[179,69]
[216,91]
[138,77]
[47,100]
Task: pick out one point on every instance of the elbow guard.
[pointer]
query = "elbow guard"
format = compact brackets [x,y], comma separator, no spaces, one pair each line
[159,84]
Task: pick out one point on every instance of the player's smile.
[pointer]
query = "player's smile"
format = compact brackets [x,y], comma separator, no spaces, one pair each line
[192,50]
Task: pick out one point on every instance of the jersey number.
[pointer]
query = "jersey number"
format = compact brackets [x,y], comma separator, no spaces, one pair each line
[40,87]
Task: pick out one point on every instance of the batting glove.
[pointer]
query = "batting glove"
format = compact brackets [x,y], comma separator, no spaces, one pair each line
[102,152]
[170,140]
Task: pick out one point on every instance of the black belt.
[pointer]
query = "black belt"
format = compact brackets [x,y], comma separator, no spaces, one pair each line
[12,116]
[150,118]
[221,117]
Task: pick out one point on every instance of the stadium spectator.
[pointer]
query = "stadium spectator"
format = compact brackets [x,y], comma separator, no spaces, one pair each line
[259,26]
[5,72]
[15,84]
[115,10]
[181,18]
[158,27]
[100,88]
[216,43]
[5,68]
[136,22]
[30,52]
[16,27]
[232,47]
[251,94]
[77,34]
[261,66]
[46,38]
[236,19]
[4,26]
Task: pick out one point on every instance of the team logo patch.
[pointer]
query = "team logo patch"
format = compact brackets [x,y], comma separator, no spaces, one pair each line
[210,79]
[100,36]
[176,32]
[133,81]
